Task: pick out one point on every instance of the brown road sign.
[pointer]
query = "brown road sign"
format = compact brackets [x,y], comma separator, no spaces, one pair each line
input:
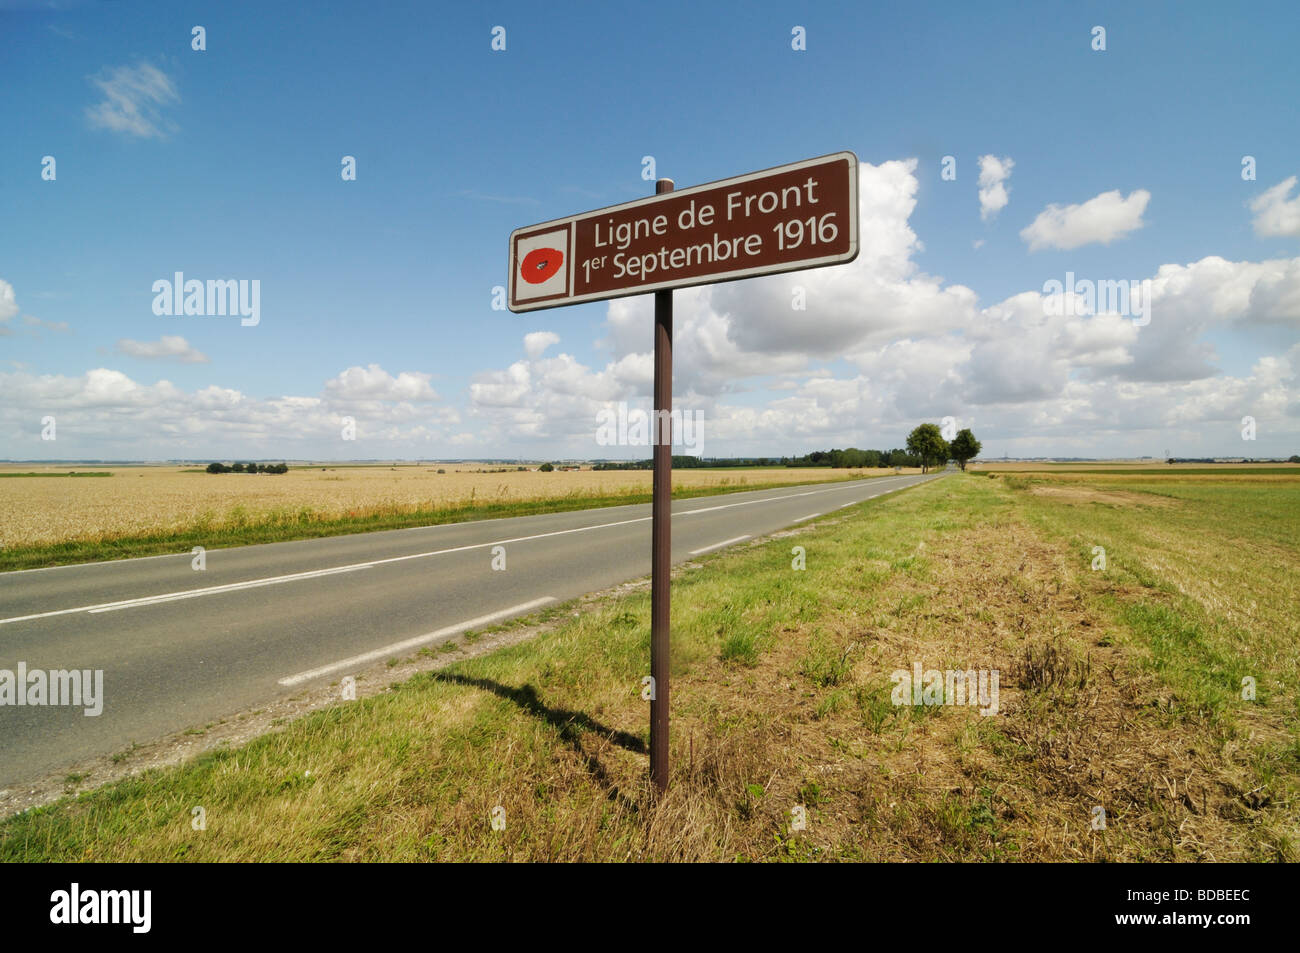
[802,215]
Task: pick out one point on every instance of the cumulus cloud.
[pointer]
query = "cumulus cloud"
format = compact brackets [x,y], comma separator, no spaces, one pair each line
[118,416]
[538,341]
[169,347]
[994,173]
[1275,215]
[134,100]
[374,383]
[1101,219]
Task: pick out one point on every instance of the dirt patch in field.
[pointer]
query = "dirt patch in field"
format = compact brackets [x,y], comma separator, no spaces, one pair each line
[1085,494]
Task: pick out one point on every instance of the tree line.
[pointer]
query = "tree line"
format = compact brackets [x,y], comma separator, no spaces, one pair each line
[249,468]
[926,447]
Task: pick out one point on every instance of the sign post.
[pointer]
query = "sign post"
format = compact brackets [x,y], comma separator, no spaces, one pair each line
[661,527]
[802,215]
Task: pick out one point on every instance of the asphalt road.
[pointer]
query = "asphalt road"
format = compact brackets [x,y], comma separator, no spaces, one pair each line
[179,647]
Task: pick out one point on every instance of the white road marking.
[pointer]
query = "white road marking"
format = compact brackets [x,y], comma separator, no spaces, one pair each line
[190,593]
[727,542]
[808,517]
[294,577]
[399,647]
[174,596]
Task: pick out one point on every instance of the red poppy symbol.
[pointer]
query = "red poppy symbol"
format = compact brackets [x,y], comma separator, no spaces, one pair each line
[540,264]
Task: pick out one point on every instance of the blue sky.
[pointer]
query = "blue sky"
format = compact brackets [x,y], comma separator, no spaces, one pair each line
[225,163]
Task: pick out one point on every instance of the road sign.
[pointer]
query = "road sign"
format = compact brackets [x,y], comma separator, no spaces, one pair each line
[802,215]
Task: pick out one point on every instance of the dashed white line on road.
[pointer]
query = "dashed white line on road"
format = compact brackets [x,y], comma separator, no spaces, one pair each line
[726,542]
[231,587]
[191,593]
[399,647]
[808,517]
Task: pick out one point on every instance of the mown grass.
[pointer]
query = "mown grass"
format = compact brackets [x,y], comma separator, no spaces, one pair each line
[1117,691]
[237,528]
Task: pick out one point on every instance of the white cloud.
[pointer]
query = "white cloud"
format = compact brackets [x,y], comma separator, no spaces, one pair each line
[116,416]
[374,383]
[8,301]
[994,173]
[1275,216]
[134,100]
[34,322]
[1102,218]
[169,347]
[537,342]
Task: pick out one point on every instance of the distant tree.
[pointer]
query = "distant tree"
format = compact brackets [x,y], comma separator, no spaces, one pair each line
[217,468]
[1294,458]
[964,447]
[927,443]
[237,468]
[546,468]
[251,468]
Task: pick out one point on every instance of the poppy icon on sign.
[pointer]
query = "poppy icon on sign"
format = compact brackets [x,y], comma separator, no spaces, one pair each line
[540,265]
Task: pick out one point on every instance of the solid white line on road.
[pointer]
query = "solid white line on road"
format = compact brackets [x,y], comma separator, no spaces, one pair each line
[727,542]
[808,517]
[399,647]
[294,577]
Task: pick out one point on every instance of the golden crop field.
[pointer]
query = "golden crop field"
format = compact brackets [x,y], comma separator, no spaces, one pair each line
[149,499]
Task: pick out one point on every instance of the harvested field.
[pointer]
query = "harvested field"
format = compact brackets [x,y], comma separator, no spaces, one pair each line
[139,501]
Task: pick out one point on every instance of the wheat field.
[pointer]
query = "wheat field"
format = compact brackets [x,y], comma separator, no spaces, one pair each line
[152,499]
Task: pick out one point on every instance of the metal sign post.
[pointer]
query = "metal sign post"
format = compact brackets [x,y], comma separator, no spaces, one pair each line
[802,215]
[661,525]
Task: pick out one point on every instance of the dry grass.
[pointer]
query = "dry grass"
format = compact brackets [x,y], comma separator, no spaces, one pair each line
[1179,469]
[1089,494]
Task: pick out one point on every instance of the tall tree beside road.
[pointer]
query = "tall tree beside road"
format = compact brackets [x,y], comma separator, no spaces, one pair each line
[927,443]
[964,447]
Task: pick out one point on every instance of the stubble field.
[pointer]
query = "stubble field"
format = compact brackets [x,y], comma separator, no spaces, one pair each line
[161,501]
